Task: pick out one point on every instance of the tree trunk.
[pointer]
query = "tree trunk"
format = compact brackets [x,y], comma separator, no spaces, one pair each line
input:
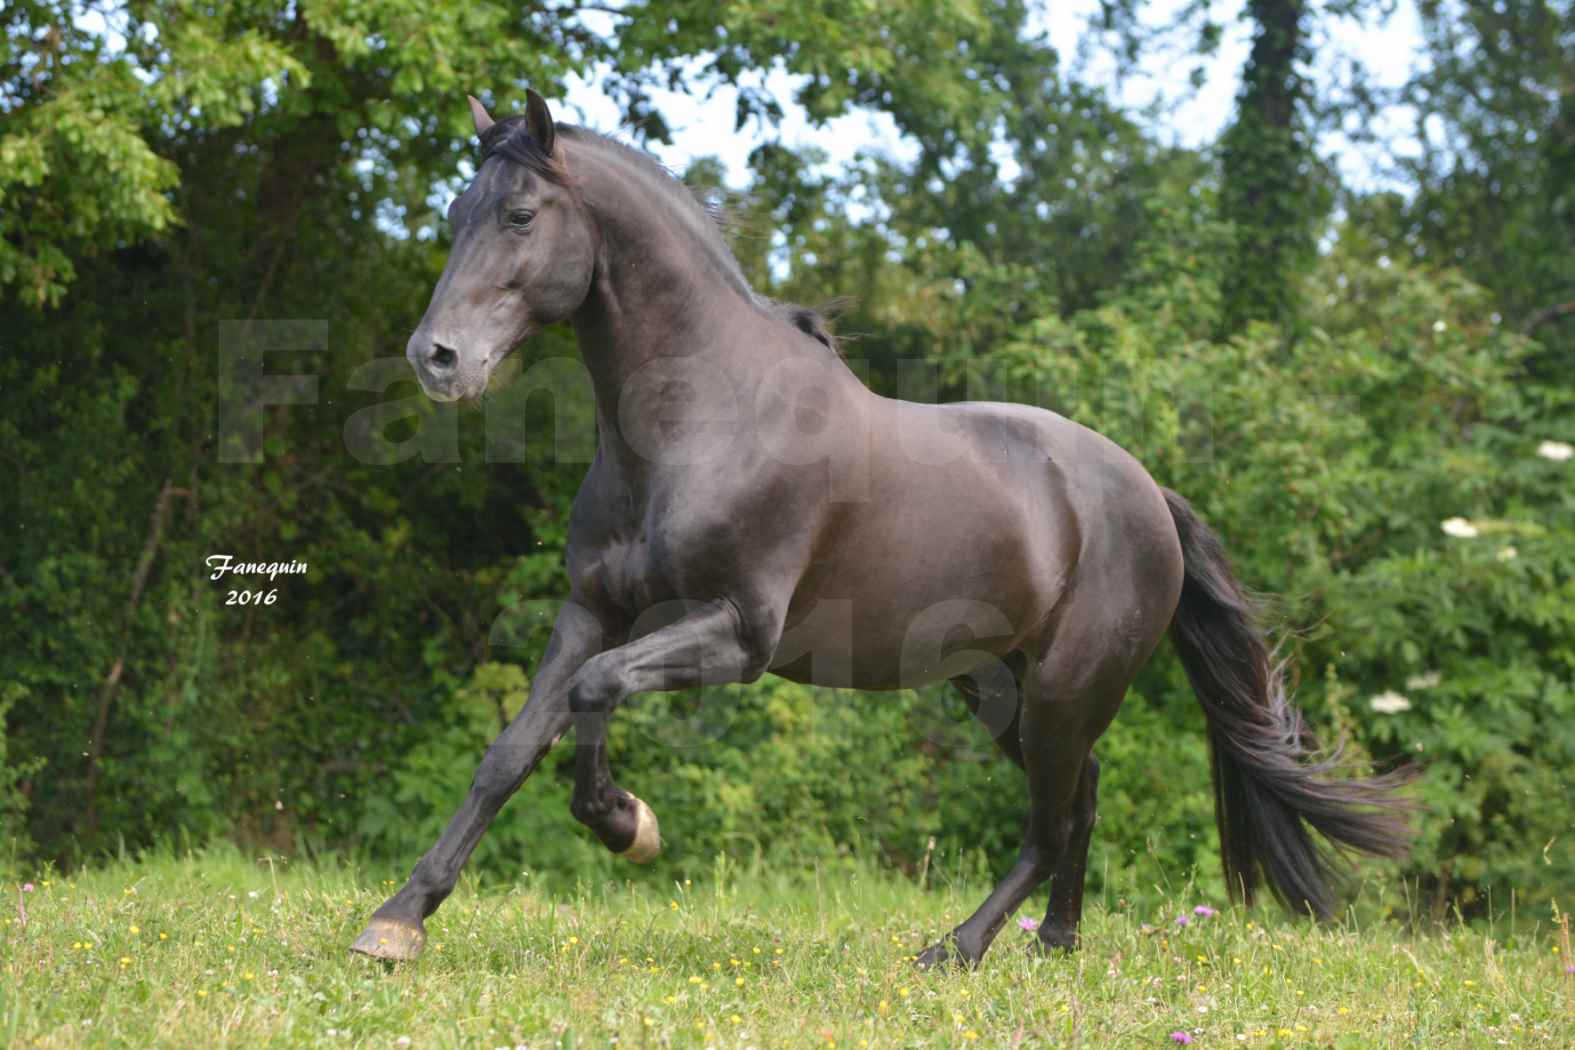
[1267,159]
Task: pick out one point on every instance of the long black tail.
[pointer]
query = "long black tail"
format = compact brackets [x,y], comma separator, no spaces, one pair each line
[1268,784]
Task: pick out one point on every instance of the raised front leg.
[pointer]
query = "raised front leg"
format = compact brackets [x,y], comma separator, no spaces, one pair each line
[396,930]
[704,647]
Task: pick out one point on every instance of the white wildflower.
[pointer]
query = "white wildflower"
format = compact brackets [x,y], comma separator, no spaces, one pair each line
[1439,326]
[1557,451]
[1459,528]
[1389,702]
[1508,553]
[1429,680]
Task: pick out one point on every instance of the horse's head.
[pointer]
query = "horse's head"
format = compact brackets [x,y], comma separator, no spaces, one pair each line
[524,252]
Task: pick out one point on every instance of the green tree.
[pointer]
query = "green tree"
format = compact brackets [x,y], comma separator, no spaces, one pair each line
[173,171]
[1271,189]
[169,169]
[1495,182]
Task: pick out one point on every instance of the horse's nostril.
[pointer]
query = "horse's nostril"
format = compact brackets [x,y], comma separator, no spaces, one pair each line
[443,356]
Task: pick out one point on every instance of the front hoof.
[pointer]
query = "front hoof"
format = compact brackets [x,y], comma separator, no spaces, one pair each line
[647,844]
[388,939]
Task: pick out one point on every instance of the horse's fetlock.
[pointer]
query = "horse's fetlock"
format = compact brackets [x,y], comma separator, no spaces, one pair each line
[588,810]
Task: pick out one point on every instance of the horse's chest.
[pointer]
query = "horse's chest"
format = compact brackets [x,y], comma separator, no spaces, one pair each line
[624,575]
[672,541]
[639,573]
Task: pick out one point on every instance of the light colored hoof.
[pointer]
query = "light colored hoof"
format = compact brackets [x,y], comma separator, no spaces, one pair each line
[386,939]
[647,845]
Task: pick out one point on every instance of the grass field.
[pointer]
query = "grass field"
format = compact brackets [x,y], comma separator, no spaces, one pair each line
[215,950]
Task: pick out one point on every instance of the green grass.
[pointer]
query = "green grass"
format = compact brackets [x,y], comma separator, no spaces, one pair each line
[215,950]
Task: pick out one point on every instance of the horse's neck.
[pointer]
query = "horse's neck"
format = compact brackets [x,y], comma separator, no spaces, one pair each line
[662,308]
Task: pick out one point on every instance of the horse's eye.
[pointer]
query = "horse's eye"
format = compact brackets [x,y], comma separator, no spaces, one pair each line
[520,218]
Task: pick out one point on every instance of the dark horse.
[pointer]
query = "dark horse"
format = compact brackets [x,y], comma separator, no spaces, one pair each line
[753,507]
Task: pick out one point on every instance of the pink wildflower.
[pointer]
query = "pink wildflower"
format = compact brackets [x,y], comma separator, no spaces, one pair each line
[1180,1037]
[1182,920]
[1203,911]
[27,887]
[1028,924]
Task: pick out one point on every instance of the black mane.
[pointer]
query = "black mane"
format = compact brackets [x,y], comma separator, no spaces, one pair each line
[511,139]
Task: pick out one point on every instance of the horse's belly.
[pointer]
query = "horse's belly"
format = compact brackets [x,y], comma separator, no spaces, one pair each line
[909,616]
[948,563]
[837,648]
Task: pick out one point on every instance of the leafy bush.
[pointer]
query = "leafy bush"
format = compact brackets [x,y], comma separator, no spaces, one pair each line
[1331,463]
[137,706]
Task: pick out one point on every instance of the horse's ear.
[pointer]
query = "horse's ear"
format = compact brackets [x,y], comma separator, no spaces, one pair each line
[479,113]
[538,121]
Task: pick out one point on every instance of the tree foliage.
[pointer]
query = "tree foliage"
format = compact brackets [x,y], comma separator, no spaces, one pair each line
[174,177]
[1270,189]
[1496,179]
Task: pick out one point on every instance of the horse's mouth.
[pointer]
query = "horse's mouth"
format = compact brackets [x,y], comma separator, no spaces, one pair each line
[456,390]
[469,384]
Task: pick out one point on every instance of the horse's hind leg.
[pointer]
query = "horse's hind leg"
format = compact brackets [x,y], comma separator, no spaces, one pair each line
[1070,696]
[1036,860]
[995,698]
[1073,695]
[1059,929]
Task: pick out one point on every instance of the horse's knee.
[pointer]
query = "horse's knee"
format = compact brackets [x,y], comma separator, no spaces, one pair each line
[598,683]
